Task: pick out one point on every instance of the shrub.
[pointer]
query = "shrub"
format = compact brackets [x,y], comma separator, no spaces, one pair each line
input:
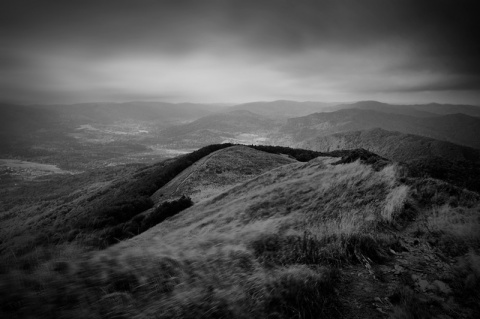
[407,305]
[141,223]
[453,229]
[356,248]
[467,283]
[273,249]
[126,210]
[394,203]
[198,303]
[299,154]
[164,211]
[299,292]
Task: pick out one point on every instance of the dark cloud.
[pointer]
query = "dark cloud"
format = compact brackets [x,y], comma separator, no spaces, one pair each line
[85,50]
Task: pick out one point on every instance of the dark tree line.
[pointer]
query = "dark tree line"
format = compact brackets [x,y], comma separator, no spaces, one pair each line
[141,223]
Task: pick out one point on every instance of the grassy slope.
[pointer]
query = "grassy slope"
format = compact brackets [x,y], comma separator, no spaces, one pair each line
[262,248]
[296,241]
[297,196]
[427,157]
[83,207]
[218,171]
[48,207]
[86,209]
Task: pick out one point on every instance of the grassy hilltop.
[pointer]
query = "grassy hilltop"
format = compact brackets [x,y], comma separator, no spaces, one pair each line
[342,234]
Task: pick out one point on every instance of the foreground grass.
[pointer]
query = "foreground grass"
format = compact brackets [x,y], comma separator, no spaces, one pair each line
[86,209]
[268,248]
[272,247]
[226,282]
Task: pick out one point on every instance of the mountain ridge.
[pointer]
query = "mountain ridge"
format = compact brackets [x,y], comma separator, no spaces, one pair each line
[394,145]
[282,109]
[219,171]
[456,128]
[310,238]
[420,110]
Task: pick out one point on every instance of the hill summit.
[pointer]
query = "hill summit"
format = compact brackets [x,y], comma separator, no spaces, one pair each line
[344,234]
[218,171]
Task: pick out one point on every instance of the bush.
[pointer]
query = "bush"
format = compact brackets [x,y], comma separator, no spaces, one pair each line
[141,223]
[358,246]
[299,154]
[365,157]
[125,210]
[273,249]
[299,292]
[467,283]
[131,197]
[407,305]
[164,211]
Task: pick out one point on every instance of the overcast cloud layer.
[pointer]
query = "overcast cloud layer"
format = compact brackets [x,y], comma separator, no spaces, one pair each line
[238,51]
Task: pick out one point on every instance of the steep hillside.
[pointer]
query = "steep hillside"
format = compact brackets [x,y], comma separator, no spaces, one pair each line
[282,109]
[298,196]
[459,165]
[86,208]
[233,126]
[98,208]
[324,238]
[456,128]
[393,145]
[266,246]
[218,171]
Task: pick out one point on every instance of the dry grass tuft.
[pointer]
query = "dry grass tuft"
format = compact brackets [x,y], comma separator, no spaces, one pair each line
[453,229]
[407,305]
[460,222]
[395,202]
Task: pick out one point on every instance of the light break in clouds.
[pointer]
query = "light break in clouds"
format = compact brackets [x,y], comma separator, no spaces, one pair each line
[402,51]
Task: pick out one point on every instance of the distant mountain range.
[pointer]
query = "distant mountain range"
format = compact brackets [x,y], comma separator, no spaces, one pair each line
[393,145]
[456,128]
[283,109]
[188,126]
[419,110]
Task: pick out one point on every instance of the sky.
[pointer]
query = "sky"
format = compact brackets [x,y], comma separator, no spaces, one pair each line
[235,51]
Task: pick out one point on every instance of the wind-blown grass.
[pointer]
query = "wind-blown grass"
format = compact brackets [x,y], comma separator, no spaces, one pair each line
[269,247]
[454,230]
